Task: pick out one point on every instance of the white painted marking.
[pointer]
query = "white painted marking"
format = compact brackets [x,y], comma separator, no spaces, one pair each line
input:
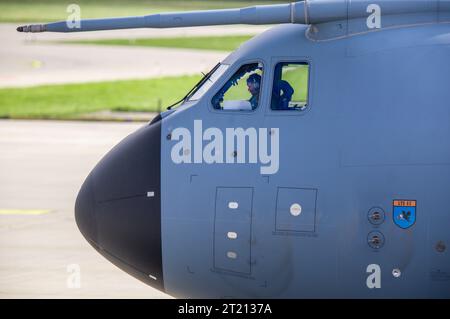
[296,209]
[231,255]
[152,277]
[232,235]
[150,194]
[233,205]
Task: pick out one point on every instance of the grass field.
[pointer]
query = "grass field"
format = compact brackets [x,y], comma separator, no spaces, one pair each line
[153,95]
[68,101]
[222,43]
[53,10]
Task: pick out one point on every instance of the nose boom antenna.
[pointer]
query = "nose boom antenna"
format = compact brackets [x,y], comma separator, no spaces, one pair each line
[301,12]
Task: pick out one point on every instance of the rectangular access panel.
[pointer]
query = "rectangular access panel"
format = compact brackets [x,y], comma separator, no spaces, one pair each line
[232,229]
[296,209]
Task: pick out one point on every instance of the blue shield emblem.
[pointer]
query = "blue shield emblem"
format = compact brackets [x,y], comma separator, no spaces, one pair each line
[404,213]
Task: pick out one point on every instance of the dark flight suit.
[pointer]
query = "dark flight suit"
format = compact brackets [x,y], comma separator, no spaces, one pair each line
[254,101]
[281,101]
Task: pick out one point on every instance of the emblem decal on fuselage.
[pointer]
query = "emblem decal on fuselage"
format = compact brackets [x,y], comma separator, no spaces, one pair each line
[404,213]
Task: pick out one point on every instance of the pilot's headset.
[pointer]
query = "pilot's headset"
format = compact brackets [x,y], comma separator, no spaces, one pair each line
[255,79]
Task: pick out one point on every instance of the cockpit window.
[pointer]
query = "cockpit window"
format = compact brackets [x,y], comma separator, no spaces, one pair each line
[208,82]
[241,92]
[290,86]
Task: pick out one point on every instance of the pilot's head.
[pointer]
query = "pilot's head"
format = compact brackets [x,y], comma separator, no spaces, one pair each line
[253,83]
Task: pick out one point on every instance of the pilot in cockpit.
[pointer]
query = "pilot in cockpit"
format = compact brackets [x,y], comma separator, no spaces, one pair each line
[253,86]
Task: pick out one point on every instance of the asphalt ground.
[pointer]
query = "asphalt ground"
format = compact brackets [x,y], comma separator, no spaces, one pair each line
[29,59]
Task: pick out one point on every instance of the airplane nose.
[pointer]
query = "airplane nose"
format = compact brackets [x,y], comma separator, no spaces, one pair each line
[118,208]
[84,211]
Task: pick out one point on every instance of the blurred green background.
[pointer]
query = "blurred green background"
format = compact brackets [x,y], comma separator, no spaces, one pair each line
[68,101]
[50,10]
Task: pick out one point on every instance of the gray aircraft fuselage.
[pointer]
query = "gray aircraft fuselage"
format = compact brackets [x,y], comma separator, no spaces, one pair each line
[357,205]
[377,130]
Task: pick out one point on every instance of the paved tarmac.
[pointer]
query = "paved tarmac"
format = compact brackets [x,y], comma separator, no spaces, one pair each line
[42,166]
[28,59]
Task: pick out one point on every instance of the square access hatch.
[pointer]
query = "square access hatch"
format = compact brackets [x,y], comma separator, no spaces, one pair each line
[296,209]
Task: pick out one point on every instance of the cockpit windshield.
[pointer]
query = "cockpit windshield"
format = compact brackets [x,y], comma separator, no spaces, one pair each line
[207,82]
